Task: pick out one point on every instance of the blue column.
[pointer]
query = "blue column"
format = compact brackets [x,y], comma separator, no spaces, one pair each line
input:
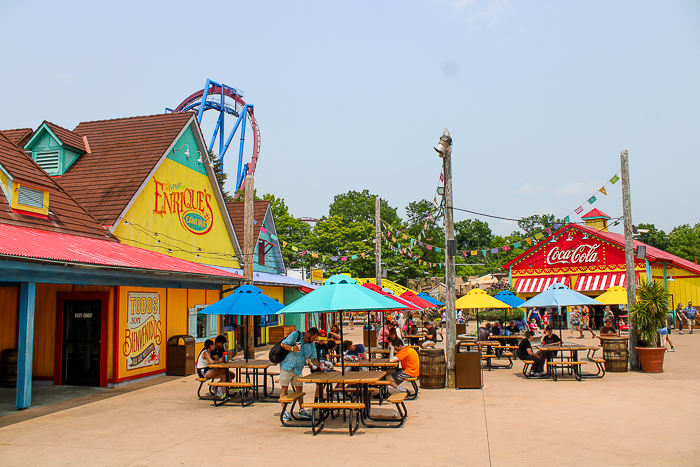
[26,344]
[510,276]
[649,278]
[665,278]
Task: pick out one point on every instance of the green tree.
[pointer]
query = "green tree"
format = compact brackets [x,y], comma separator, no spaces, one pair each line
[473,234]
[290,230]
[656,238]
[355,206]
[333,236]
[537,223]
[685,242]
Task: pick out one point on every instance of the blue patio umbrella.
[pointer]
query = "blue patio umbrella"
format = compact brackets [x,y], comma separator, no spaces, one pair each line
[341,293]
[246,300]
[558,295]
[506,296]
[427,297]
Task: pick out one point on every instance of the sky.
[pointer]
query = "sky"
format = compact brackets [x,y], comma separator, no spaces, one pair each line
[540,97]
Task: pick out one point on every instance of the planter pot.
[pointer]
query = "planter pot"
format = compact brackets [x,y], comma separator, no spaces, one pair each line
[651,359]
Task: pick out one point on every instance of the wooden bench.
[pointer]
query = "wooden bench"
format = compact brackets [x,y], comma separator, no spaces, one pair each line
[574,366]
[292,398]
[412,395]
[600,364]
[391,422]
[270,374]
[324,408]
[228,385]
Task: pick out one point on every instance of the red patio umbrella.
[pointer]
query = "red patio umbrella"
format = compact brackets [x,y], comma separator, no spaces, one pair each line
[416,300]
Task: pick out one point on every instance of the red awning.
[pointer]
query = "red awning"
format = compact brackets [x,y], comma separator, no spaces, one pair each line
[42,244]
[416,300]
[306,289]
[538,284]
[593,282]
[375,288]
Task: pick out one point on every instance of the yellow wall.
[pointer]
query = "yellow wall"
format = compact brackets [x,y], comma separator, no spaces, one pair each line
[160,209]
[685,286]
[9,308]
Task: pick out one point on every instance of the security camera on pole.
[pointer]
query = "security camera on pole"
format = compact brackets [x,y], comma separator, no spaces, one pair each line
[444,149]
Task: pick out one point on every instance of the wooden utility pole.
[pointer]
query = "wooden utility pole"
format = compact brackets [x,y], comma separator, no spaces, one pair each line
[248,252]
[629,257]
[450,247]
[378,242]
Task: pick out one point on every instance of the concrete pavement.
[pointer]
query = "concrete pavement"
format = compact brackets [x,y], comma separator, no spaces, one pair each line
[623,419]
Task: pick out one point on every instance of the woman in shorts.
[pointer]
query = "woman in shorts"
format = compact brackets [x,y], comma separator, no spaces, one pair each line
[203,361]
[575,317]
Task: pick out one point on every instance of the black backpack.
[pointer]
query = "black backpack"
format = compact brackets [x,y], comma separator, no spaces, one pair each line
[277,353]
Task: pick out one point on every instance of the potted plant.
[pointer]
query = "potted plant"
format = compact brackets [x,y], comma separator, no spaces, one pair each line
[649,315]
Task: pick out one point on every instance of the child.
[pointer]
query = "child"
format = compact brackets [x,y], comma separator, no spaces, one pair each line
[533,326]
[665,339]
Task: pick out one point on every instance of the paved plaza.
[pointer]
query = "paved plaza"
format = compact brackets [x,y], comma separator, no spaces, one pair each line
[622,419]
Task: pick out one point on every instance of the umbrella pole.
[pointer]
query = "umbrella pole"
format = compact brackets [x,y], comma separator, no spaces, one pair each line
[559,321]
[342,359]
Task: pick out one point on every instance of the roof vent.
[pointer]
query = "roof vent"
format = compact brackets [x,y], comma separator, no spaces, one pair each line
[48,161]
[30,197]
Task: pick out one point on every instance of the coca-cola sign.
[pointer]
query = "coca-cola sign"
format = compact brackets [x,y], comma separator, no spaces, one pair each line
[580,254]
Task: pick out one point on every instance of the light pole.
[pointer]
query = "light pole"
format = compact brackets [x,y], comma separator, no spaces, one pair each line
[444,149]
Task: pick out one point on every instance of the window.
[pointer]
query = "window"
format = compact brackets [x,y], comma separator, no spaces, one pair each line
[30,197]
[48,161]
[261,253]
[199,326]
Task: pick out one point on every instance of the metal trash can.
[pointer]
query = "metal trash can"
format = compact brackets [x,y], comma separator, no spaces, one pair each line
[468,372]
[181,357]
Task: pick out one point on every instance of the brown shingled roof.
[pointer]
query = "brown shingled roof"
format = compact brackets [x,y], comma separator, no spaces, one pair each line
[66,215]
[124,152]
[235,210]
[67,137]
[18,136]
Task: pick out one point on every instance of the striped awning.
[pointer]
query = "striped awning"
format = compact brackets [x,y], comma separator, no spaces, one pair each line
[538,284]
[594,282]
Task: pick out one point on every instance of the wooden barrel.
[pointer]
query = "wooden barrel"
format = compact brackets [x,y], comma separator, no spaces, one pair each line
[433,368]
[615,353]
[8,368]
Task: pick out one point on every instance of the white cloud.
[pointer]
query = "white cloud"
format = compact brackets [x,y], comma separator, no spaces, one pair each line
[585,189]
[529,189]
[494,11]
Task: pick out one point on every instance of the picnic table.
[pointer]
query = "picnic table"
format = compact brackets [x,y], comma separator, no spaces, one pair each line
[570,363]
[253,365]
[378,350]
[371,363]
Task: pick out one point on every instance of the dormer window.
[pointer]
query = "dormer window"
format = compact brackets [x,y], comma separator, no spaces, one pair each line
[55,149]
[30,197]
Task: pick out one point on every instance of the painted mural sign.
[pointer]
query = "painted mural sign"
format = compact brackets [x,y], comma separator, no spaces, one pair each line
[193,208]
[143,334]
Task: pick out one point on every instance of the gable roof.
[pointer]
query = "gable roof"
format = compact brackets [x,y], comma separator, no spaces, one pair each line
[652,253]
[595,214]
[65,214]
[235,210]
[123,153]
[18,136]
[67,137]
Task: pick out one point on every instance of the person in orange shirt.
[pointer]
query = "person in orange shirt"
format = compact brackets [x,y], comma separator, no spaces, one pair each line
[410,364]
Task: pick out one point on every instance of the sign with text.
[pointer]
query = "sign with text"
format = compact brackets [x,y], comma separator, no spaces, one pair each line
[317,276]
[142,333]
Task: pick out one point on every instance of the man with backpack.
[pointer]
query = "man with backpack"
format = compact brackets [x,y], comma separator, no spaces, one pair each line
[301,348]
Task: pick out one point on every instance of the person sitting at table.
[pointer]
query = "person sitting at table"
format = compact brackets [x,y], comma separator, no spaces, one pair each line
[533,326]
[608,329]
[301,348]
[497,331]
[324,351]
[394,333]
[430,335]
[410,365]
[203,361]
[525,353]
[218,353]
[412,331]
[383,334]
[351,349]
[549,338]
[512,329]
[334,333]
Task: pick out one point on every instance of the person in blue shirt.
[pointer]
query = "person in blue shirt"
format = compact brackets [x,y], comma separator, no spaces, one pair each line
[690,313]
[301,348]
[534,313]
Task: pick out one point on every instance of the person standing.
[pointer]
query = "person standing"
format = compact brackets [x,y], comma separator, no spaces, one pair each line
[301,347]
[575,318]
[690,313]
[585,322]
[533,314]
[680,316]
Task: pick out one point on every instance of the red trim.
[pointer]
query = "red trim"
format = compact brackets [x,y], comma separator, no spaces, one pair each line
[29,213]
[115,356]
[142,375]
[61,297]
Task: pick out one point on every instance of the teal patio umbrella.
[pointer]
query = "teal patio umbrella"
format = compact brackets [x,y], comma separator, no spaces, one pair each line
[246,300]
[341,293]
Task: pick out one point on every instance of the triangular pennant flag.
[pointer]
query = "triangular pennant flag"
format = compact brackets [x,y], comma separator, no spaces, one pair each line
[592,200]
[614,179]
[405,237]
[435,201]
[529,241]
[579,210]
[464,253]
[602,190]
[567,219]
[314,255]
[284,244]
[483,252]
[363,255]
[254,221]
[516,245]
[442,177]
[303,253]
[429,247]
[425,226]
[549,231]
[420,261]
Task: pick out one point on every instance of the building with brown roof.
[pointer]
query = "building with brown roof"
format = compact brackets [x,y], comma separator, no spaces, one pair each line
[19,136]
[268,254]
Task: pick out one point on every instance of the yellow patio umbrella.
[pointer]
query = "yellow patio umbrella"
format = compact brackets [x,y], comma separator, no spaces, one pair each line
[615,295]
[477,298]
